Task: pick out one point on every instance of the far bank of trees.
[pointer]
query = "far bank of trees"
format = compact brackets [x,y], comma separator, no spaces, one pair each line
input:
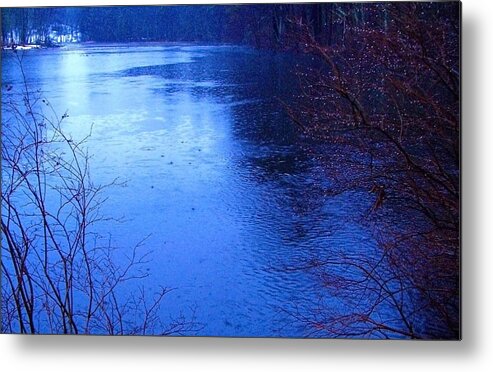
[261,25]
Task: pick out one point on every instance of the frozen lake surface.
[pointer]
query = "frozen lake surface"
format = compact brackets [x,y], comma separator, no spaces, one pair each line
[215,174]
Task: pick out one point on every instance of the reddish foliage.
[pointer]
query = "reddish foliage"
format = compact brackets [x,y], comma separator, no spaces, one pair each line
[388,91]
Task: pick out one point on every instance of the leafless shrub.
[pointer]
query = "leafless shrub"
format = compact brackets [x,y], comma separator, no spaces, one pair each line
[384,101]
[58,274]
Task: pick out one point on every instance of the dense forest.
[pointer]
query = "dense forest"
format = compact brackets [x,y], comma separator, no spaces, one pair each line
[262,25]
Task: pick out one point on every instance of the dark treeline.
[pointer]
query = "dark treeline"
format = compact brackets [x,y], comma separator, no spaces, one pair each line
[262,25]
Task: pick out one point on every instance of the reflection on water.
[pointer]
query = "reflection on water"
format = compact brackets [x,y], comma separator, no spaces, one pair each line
[214,171]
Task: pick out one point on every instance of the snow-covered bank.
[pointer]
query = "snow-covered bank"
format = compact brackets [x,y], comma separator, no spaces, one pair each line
[49,36]
[22,47]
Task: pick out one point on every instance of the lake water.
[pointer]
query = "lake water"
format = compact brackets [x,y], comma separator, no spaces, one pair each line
[215,174]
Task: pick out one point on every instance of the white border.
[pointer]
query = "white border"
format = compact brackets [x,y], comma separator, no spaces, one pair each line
[474,353]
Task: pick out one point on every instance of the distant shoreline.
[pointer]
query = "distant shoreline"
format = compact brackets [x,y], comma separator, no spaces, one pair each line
[112,44]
